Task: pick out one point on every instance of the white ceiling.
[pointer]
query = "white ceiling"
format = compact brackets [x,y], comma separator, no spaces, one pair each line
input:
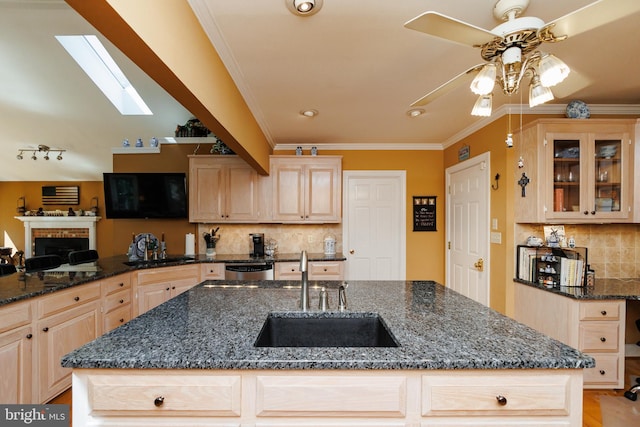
[353,61]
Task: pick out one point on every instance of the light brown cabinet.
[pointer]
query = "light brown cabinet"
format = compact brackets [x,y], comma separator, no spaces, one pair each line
[306,189]
[318,270]
[593,327]
[222,189]
[212,271]
[16,346]
[116,301]
[66,320]
[154,286]
[579,171]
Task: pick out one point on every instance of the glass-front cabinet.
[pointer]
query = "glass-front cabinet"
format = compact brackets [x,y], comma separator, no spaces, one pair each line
[576,171]
[588,175]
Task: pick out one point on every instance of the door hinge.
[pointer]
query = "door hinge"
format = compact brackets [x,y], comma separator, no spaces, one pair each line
[449,189]
[449,245]
[545,142]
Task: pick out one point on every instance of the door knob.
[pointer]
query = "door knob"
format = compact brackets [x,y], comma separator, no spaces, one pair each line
[479,265]
[352,252]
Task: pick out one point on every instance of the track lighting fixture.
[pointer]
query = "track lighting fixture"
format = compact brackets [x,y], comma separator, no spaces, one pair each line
[41,149]
[303,7]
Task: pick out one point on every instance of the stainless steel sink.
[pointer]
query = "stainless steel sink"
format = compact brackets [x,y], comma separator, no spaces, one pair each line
[325,330]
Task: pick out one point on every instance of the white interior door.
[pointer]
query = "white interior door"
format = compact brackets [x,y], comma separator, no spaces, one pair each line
[468,211]
[374,225]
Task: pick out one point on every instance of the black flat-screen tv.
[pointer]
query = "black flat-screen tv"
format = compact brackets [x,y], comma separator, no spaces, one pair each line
[145,195]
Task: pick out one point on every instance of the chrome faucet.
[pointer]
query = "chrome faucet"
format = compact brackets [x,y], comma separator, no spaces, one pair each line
[304,292]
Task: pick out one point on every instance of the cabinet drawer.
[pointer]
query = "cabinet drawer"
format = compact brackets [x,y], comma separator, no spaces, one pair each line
[116,283]
[324,269]
[287,271]
[117,317]
[600,310]
[323,396]
[212,271]
[14,315]
[486,395]
[162,396]
[605,371]
[117,300]
[598,336]
[168,274]
[64,300]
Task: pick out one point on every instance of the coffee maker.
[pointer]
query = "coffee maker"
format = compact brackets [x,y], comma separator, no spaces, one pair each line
[258,245]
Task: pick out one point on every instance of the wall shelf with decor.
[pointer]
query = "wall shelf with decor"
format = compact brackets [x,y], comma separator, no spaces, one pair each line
[551,266]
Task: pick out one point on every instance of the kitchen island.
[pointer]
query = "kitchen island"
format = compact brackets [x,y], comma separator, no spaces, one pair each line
[192,361]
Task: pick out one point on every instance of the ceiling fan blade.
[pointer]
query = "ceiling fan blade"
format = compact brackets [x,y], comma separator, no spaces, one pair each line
[448,86]
[438,25]
[591,16]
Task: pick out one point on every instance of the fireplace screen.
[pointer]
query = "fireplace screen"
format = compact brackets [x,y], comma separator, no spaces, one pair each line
[60,246]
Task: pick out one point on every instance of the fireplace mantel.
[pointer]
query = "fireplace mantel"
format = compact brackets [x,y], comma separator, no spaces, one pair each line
[31,222]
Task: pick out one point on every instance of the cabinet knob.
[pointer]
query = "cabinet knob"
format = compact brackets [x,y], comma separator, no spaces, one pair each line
[121,284]
[602,372]
[121,320]
[29,336]
[586,212]
[603,312]
[352,251]
[502,401]
[593,212]
[121,301]
[301,216]
[158,401]
[325,269]
[173,287]
[45,329]
[603,339]
[76,299]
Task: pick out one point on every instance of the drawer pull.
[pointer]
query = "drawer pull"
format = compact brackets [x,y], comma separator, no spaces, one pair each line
[603,312]
[121,320]
[325,269]
[603,339]
[502,401]
[602,372]
[121,301]
[45,329]
[121,284]
[159,401]
[76,299]
[29,336]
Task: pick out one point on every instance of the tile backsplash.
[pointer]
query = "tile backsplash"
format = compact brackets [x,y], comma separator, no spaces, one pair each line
[236,239]
[613,249]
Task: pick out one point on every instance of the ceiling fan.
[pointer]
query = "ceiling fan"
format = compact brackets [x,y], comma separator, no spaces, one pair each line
[511,49]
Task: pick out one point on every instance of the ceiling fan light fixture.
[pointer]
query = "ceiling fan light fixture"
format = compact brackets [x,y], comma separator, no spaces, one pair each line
[538,93]
[484,82]
[482,107]
[552,70]
[303,7]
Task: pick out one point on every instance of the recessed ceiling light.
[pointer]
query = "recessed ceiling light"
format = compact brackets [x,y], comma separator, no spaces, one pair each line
[94,59]
[415,112]
[309,113]
[303,7]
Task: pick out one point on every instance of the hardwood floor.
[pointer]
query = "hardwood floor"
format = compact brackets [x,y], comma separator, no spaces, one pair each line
[591,415]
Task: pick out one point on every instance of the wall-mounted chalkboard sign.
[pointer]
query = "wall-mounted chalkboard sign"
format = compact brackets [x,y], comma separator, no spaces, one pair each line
[424,213]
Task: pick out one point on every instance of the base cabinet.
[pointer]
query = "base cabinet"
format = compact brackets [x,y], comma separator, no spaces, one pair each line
[310,399]
[16,346]
[318,270]
[154,286]
[593,327]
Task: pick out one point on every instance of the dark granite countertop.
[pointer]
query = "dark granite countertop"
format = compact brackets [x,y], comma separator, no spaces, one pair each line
[214,326]
[628,289]
[20,286]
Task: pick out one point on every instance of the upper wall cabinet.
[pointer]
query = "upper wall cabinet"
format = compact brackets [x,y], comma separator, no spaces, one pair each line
[222,189]
[306,189]
[576,171]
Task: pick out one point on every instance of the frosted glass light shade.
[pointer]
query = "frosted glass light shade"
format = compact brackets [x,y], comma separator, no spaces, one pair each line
[483,83]
[482,107]
[538,93]
[552,70]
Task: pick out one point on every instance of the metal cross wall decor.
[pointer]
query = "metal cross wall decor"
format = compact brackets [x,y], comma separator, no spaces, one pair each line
[522,182]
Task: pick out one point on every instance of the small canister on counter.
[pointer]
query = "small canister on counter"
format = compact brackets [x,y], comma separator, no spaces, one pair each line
[330,245]
[591,276]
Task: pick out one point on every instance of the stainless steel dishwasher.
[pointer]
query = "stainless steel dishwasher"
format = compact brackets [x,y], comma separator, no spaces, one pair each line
[249,271]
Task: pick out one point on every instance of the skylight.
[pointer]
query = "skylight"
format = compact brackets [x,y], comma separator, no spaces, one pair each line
[94,59]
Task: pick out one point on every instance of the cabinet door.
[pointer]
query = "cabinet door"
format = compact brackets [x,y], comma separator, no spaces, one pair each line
[610,190]
[288,191]
[150,296]
[322,201]
[16,365]
[59,335]
[241,194]
[206,185]
[567,175]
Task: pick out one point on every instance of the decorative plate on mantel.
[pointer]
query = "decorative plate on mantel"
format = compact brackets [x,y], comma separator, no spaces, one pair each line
[577,109]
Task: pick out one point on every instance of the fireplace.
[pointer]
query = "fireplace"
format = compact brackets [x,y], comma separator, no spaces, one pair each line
[59,235]
[60,246]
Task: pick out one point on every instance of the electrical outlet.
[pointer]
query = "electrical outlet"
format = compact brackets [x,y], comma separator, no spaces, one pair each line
[496,237]
[310,238]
